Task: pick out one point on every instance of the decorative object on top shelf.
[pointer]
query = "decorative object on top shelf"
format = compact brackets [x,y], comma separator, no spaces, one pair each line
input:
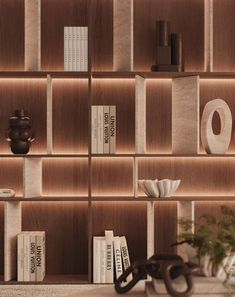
[169,49]
[5,193]
[211,245]
[159,188]
[20,134]
[216,144]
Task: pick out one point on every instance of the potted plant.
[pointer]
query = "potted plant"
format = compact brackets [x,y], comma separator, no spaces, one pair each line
[212,244]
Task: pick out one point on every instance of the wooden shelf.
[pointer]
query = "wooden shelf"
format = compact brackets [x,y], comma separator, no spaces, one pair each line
[46,199]
[44,156]
[43,74]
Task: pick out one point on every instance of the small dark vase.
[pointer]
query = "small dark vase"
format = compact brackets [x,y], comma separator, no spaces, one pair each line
[20,134]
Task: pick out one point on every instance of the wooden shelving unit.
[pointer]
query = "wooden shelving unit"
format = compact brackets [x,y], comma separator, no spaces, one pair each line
[73,194]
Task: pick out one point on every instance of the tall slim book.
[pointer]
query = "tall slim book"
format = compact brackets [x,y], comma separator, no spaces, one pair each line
[96,259]
[102,260]
[85,47]
[117,256]
[112,129]
[82,36]
[66,59]
[40,255]
[70,46]
[32,260]
[109,256]
[20,257]
[74,49]
[125,256]
[100,148]
[94,129]
[78,48]
[106,129]
[26,236]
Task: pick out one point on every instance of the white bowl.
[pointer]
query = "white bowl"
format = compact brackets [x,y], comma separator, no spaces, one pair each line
[159,188]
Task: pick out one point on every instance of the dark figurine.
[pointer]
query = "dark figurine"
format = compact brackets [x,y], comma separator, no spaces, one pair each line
[20,134]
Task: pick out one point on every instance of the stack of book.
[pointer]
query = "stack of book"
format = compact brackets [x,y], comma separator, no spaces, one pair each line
[103,129]
[31,256]
[76,48]
[110,257]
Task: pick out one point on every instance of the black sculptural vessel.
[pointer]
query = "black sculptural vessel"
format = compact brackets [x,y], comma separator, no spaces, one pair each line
[20,134]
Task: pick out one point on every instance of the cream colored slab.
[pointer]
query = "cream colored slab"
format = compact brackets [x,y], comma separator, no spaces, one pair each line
[12,226]
[32,177]
[49,116]
[208,35]
[150,228]
[185,115]
[32,35]
[123,35]
[140,115]
[185,210]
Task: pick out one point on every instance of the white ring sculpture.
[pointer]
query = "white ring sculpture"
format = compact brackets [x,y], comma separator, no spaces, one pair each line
[216,144]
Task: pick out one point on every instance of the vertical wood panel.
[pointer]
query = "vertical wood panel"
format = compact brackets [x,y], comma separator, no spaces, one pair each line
[55,16]
[124,218]
[66,234]
[1,239]
[12,35]
[70,116]
[121,93]
[183,15]
[32,177]
[29,94]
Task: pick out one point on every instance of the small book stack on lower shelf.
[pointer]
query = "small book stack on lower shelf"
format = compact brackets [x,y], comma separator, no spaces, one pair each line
[110,253]
[31,256]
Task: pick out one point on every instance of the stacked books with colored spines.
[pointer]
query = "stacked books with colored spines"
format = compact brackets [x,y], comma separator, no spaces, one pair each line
[103,129]
[31,256]
[110,257]
[76,48]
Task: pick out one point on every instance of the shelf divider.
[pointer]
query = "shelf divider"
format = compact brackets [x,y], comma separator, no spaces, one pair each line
[12,226]
[32,177]
[32,35]
[185,115]
[123,35]
[150,229]
[208,35]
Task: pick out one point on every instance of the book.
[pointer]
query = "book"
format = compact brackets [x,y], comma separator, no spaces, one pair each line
[32,261]
[74,48]
[82,37]
[112,129]
[78,48]
[106,129]
[109,278]
[40,255]
[26,257]
[102,260]
[125,256]
[96,259]
[85,48]
[117,256]
[100,144]
[70,45]
[94,129]
[66,65]
[20,257]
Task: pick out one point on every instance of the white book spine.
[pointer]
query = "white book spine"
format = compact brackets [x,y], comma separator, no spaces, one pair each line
[85,48]
[106,129]
[70,48]
[117,256]
[26,258]
[96,260]
[74,51]
[94,129]
[102,261]
[100,130]
[20,257]
[125,256]
[82,48]
[32,262]
[109,256]
[112,128]
[40,256]
[78,48]
[66,64]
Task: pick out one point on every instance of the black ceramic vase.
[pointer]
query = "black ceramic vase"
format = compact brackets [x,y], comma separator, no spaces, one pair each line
[20,134]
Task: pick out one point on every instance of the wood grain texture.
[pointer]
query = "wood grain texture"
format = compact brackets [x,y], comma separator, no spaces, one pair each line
[124,218]
[211,176]
[183,16]
[219,88]
[123,35]
[66,234]
[12,35]
[32,35]
[101,29]
[29,94]
[55,15]
[70,116]
[165,226]
[32,177]
[65,177]
[49,116]
[158,116]
[1,239]
[122,94]
[208,35]
[12,227]
[112,176]
[185,115]
[224,47]
[140,115]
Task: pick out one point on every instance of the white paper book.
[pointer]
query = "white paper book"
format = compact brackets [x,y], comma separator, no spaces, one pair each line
[74,49]
[96,259]
[106,129]
[78,48]
[66,64]
[112,127]
[117,256]
[125,256]
[32,260]
[20,257]
[26,256]
[85,48]
[102,261]
[109,256]
[70,45]
[94,129]
[82,48]
[100,148]
[40,256]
